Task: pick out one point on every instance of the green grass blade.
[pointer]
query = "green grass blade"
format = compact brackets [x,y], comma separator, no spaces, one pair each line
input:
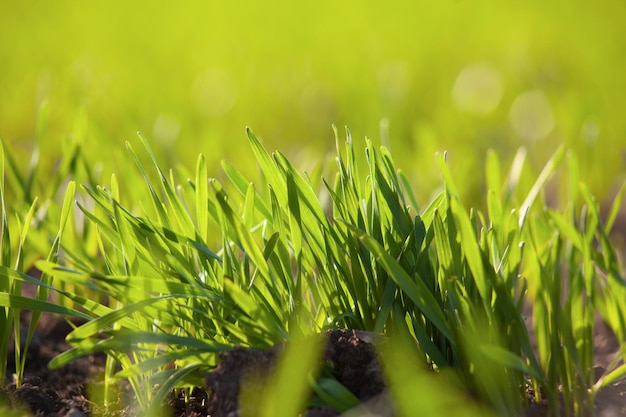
[493,173]
[103,322]
[202,214]
[156,201]
[543,177]
[241,184]
[451,187]
[249,206]
[166,388]
[245,237]
[508,359]
[615,208]
[271,172]
[471,250]
[295,219]
[25,303]
[161,361]
[334,394]
[178,210]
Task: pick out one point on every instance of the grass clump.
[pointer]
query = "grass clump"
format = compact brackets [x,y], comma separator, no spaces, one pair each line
[203,266]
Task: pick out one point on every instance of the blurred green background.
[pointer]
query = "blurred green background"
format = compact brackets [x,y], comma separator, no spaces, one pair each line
[462,76]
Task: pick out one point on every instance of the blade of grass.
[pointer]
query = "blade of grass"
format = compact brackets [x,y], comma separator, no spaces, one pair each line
[202,214]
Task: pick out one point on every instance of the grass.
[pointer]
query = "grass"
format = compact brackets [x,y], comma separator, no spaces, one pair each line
[173,267]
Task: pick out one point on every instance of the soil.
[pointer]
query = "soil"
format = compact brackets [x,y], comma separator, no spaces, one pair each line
[350,354]
[65,391]
[352,359]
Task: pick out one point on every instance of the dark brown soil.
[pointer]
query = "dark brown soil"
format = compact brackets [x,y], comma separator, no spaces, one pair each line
[352,360]
[64,392]
[349,354]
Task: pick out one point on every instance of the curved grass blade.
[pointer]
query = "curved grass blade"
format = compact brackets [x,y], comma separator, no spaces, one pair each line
[39,306]
[615,208]
[166,388]
[543,178]
[508,359]
[334,394]
[271,172]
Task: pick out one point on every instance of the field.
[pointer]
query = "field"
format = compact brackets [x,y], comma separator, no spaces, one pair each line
[467,224]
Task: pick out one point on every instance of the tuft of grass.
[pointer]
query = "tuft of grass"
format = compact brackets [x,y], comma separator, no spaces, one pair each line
[13,275]
[191,266]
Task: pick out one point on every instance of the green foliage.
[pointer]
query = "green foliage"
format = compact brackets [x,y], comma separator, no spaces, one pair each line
[192,266]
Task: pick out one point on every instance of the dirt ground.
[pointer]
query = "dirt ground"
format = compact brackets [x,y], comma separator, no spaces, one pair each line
[64,392]
[351,356]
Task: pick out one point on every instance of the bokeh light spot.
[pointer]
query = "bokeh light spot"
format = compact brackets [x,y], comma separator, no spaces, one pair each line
[166,129]
[477,89]
[531,115]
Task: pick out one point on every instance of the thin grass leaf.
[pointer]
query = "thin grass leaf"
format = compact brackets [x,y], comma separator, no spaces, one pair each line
[178,210]
[615,207]
[244,235]
[446,174]
[386,306]
[392,173]
[440,202]
[495,210]
[123,284]
[162,360]
[166,388]
[493,174]
[202,214]
[295,219]
[129,338]
[515,172]
[39,306]
[543,177]
[307,199]
[248,305]
[242,184]
[334,394]
[19,258]
[249,206]
[508,359]
[5,238]
[156,201]
[408,191]
[471,251]
[566,229]
[120,315]
[271,172]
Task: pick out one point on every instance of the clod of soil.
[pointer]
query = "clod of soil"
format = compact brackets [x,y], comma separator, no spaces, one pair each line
[353,362]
